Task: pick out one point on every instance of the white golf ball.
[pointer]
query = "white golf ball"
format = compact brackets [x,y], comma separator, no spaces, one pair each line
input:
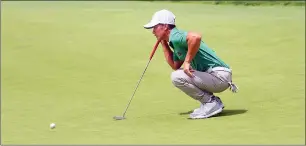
[52,125]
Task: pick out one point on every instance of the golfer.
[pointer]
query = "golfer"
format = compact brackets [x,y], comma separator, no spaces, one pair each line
[198,71]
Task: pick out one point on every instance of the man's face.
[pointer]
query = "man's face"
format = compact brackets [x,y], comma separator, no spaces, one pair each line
[159,31]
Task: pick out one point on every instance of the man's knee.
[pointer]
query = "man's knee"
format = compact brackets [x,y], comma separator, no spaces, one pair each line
[178,78]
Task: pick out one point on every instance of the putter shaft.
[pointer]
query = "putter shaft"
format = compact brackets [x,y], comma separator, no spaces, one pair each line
[151,56]
[136,89]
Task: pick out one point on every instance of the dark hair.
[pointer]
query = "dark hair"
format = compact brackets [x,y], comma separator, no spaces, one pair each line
[171,26]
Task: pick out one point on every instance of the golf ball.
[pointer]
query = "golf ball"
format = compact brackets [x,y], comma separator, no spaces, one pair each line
[52,125]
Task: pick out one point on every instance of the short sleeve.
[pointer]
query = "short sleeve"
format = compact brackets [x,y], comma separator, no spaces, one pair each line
[179,39]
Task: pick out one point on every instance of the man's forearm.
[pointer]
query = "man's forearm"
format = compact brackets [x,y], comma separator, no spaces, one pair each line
[168,54]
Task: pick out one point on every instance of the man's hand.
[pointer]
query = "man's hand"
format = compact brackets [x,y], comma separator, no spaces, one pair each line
[188,70]
[169,56]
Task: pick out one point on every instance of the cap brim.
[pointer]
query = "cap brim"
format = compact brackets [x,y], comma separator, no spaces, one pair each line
[149,25]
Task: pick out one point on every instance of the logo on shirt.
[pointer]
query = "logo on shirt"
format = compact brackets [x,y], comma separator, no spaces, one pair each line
[179,53]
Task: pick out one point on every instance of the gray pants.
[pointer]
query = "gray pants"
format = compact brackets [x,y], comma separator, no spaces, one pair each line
[202,86]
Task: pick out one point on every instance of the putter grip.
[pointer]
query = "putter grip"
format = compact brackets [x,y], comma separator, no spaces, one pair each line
[154,49]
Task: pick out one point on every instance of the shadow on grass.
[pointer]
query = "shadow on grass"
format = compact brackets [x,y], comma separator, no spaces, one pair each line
[226,112]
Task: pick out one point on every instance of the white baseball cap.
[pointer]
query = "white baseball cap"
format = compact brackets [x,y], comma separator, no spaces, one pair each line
[161,17]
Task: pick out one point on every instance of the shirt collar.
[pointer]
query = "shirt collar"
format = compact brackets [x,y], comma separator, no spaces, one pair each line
[173,31]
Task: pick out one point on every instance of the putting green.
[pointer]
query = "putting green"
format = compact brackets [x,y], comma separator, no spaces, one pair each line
[77,63]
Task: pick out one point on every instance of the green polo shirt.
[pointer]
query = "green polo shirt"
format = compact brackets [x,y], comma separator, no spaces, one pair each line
[205,57]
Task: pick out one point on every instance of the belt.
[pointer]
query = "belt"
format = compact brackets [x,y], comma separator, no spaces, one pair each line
[218,69]
[221,69]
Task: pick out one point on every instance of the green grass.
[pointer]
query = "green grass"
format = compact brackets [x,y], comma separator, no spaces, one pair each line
[77,63]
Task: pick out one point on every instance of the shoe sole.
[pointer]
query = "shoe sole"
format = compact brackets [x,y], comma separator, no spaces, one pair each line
[210,115]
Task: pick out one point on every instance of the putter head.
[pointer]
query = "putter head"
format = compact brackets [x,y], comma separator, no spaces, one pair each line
[119,117]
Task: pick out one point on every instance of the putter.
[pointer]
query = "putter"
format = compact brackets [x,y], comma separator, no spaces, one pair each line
[151,56]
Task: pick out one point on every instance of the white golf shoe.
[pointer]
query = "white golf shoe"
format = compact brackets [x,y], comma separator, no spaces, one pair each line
[219,100]
[201,105]
[208,109]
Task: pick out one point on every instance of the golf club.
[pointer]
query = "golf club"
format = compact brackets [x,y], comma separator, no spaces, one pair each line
[151,56]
